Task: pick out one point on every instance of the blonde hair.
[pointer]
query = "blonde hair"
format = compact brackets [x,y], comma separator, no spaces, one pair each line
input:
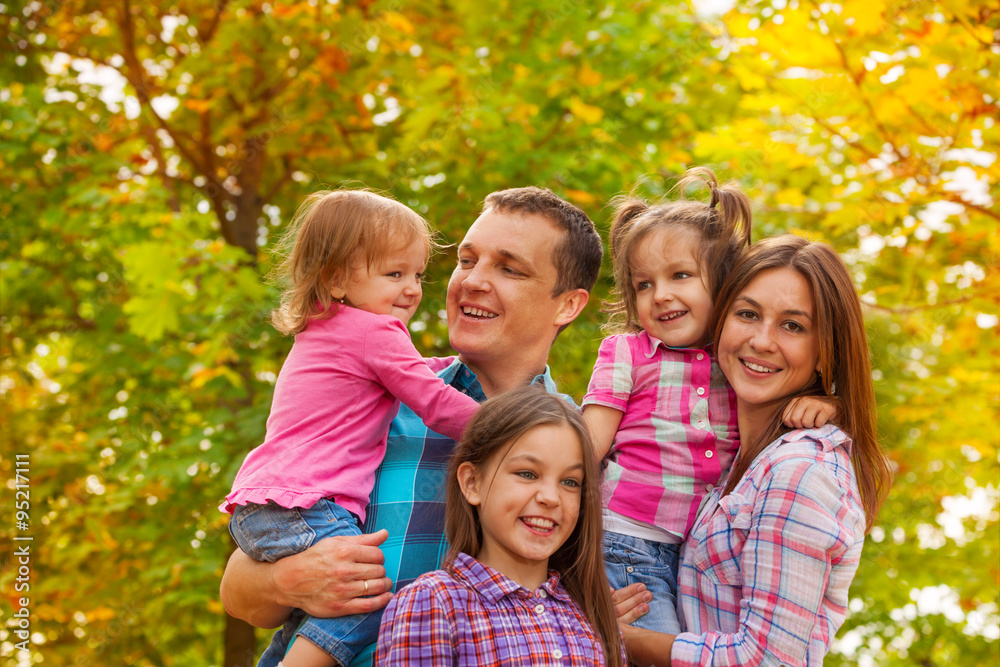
[722,226]
[330,232]
[579,561]
[845,369]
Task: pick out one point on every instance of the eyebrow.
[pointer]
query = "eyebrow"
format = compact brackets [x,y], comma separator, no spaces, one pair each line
[535,460]
[790,311]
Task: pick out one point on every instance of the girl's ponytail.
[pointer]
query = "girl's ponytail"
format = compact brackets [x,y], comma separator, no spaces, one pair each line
[723,225]
[627,209]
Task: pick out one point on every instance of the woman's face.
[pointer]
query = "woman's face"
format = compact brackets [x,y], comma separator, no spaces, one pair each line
[769,347]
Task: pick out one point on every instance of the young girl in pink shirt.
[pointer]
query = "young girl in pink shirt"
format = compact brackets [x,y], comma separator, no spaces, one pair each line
[658,405]
[353,275]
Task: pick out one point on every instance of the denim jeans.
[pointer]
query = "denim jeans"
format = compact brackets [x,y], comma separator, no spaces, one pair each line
[271,532]
[629,560]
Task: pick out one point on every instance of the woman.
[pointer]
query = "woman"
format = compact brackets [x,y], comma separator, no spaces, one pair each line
[766,569]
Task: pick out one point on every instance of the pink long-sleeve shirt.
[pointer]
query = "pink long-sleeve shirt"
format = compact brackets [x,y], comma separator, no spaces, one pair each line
[339,388]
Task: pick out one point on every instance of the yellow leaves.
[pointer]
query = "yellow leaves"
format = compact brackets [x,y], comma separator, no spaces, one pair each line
[587,113]
[214,606]
[920,85]
[398,22]
[588,77]
[48,612]
[868,15]
[790,197]
[521,72]
[198,106]
[522,113]
[101,613]
[580,197]
[749,80]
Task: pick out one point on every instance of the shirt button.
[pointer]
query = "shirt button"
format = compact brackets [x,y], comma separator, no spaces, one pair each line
[701,391]
[539,608]
[700,356]
[701,425]
[708,454]
[557,654]
[628,569]
[541,594]
[709,487]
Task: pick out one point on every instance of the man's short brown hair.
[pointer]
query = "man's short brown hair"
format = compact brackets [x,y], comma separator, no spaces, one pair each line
[578,257]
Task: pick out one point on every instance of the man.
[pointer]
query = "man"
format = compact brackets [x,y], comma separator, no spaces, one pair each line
[525,271]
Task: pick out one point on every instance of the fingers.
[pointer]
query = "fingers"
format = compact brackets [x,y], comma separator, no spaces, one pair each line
[364,605]
[631,603]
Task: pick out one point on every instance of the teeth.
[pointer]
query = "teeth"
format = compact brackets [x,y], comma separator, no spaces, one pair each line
[538,522]
[468,310]
[755,367]
[671,316]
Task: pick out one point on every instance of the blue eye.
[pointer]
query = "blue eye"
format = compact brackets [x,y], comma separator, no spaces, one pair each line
[642,285]
[572,483]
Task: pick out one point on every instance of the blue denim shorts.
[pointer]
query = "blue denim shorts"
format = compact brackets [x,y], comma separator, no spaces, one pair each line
[630,560]
[271,532]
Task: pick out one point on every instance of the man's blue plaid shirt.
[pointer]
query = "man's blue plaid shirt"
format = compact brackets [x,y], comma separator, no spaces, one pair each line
[408,498]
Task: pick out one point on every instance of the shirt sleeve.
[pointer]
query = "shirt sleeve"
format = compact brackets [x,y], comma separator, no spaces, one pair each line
[418,628]
[611,382]
[799,527]
[396,364]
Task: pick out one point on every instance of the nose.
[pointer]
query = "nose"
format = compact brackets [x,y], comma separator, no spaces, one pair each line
[475,279]
[413,287]
[662,293]
[547,493]
[761,339]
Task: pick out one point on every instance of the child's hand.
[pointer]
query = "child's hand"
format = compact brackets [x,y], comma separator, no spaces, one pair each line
[809,412]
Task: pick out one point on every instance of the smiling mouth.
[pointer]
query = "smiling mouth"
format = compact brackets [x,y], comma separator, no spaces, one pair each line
[672,315]
[477,312]
[757,368]
[539,524]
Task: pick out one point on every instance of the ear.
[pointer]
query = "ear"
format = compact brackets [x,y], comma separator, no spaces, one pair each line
[337,289]
[468,482]
[571,304]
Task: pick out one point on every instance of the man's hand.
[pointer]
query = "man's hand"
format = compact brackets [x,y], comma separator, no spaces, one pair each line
[326,580]
[331,578]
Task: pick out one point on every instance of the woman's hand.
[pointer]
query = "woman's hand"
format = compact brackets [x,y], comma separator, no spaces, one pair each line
[630,603]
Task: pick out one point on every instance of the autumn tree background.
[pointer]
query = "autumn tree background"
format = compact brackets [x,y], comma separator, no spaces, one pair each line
[151,152]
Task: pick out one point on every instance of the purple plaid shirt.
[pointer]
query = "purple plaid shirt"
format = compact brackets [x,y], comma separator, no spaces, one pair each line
[766,571]
[477,616]
[678,433]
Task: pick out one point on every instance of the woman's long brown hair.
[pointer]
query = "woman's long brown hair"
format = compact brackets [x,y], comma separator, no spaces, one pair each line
[844,360]
[491,433]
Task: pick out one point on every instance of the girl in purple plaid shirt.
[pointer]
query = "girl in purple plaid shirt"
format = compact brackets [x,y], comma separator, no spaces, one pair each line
[658,406]
[522,583]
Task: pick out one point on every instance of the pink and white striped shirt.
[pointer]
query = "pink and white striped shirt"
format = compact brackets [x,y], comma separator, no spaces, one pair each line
[678,434]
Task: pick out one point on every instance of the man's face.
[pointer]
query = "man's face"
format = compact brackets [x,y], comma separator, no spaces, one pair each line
[500,303]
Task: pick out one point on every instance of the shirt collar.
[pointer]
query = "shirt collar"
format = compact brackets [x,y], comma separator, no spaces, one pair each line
[493,586]
[463,378]
[651,344]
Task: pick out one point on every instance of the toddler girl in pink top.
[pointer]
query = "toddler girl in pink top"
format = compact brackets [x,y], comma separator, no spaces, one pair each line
[658,406]
[353,276]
